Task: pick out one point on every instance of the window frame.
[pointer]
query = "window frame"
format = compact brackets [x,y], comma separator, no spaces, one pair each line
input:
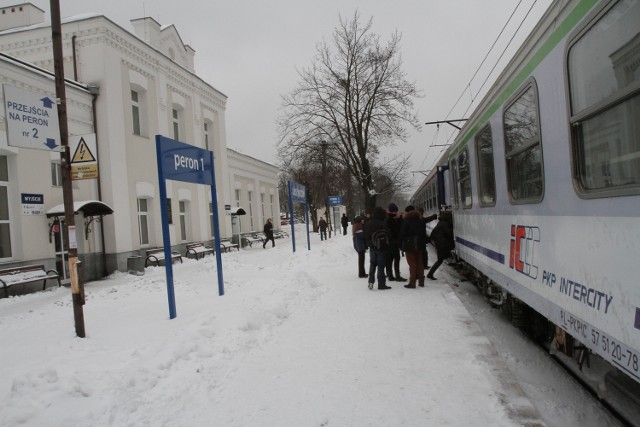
[480,167]
[146,215]
[596,109]
[528,84]
[7,205]
[464,180]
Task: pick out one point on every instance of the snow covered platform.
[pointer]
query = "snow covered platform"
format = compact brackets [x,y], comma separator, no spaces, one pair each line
[297,339]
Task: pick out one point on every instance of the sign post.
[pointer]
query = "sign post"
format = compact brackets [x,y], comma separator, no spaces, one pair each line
[183,162]
[298,194]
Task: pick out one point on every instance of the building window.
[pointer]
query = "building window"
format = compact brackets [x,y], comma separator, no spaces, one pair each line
[604,77]
[271,203]
[486,171]
[262,204]
[208,138]
[56,174]
[176,120]
[464,178]
[183,220]
[135,112]
[523,148]
[250,193]
[5,220]
[237,198]
[143,222]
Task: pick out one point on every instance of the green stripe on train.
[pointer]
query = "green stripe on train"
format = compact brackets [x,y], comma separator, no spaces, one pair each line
[576,15]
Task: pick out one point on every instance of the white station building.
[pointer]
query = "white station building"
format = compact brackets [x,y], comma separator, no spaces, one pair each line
[122,90]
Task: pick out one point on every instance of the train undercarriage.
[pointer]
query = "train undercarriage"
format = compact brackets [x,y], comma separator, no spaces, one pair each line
[616,390]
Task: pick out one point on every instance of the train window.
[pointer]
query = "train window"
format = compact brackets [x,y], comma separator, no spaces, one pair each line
[453,167]
[604,84]
[464,178]
[486,171]
[523,148]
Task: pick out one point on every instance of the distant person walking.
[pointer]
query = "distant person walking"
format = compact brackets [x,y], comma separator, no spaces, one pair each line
[345,222]
[442,238]
[268,231]
[322,225]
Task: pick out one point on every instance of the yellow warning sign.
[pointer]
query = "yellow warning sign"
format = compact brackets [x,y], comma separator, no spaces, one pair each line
[83,153]
[84,171]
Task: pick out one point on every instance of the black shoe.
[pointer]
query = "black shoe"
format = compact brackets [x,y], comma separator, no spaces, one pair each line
[430,277]
[410,286]
[400,279]
[391,279]
[363,275]
[370,285]
[421,285]
[383,287]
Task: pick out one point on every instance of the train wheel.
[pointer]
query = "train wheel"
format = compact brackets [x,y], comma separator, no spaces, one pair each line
[519,314]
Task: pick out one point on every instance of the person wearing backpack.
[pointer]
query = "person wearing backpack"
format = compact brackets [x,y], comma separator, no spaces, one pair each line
[413,238]
[377,234]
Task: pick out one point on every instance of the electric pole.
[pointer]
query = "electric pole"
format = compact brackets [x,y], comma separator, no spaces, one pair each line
[65,160]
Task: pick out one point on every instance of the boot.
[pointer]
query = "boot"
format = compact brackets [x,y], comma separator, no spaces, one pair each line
[400,278]
[410,286]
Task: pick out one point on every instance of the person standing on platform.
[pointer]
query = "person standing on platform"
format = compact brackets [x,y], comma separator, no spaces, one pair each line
[359,243]
[322,225]
[345,222]
[392,257]
[377,234]
[413,238]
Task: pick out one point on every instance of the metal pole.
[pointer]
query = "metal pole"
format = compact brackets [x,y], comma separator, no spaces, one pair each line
[65,160]
[323,144]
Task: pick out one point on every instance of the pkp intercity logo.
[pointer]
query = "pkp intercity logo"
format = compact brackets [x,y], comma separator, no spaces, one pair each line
[522,250]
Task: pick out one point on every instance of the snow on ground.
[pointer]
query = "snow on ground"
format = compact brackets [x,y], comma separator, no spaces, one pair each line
[297,340]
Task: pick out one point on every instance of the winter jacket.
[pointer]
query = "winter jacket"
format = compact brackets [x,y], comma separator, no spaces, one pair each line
[413,225]
[359,241]
[442,236]
[268,230]
[376,222]
[394,223]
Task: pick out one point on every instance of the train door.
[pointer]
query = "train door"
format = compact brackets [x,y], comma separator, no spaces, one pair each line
[61,247]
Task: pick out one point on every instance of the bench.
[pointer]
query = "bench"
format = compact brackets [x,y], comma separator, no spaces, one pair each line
[279,234]
[250,239]
[226,245]
[156,256]
[198,250]
[26,274]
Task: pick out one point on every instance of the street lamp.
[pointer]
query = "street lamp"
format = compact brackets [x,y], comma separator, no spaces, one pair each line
[323,145]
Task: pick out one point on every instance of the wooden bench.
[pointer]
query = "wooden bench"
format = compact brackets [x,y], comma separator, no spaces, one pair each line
[26,274]
[279,234]
[156,256]
[226,245]
[198,250]
[250,239]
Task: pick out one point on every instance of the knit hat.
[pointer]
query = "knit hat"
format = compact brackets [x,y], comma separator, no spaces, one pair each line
[392,208]
[409,208]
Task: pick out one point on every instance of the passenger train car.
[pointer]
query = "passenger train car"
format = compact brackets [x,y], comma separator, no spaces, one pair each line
[545,179]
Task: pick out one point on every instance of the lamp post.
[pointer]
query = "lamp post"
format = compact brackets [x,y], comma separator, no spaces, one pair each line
[323,145]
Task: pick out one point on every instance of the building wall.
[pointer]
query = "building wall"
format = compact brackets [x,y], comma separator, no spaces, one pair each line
[159,67]
[30,170]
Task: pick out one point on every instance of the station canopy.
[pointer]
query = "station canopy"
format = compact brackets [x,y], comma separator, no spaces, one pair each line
[88,208]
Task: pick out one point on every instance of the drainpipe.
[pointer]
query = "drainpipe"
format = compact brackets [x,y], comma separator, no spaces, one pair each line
[75,59]
[95,91]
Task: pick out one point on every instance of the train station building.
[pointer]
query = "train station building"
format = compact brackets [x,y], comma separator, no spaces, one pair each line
[122,89]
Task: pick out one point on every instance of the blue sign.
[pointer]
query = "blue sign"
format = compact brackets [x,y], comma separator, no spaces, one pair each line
[298,192]
[335,200]
[184,162]
[32,199]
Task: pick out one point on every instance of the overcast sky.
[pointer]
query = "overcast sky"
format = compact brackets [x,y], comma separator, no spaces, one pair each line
[250,51]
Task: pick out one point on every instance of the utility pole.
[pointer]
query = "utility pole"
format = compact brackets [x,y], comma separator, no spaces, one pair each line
[324,144]
[65,160]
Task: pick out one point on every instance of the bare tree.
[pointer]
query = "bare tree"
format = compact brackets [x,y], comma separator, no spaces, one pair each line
[355,97]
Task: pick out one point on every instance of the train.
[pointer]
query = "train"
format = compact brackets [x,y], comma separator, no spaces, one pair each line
[543,180]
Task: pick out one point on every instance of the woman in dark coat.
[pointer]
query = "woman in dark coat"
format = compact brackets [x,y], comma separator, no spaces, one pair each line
[268,231]
[442,238]
[359,244]
[413,238]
